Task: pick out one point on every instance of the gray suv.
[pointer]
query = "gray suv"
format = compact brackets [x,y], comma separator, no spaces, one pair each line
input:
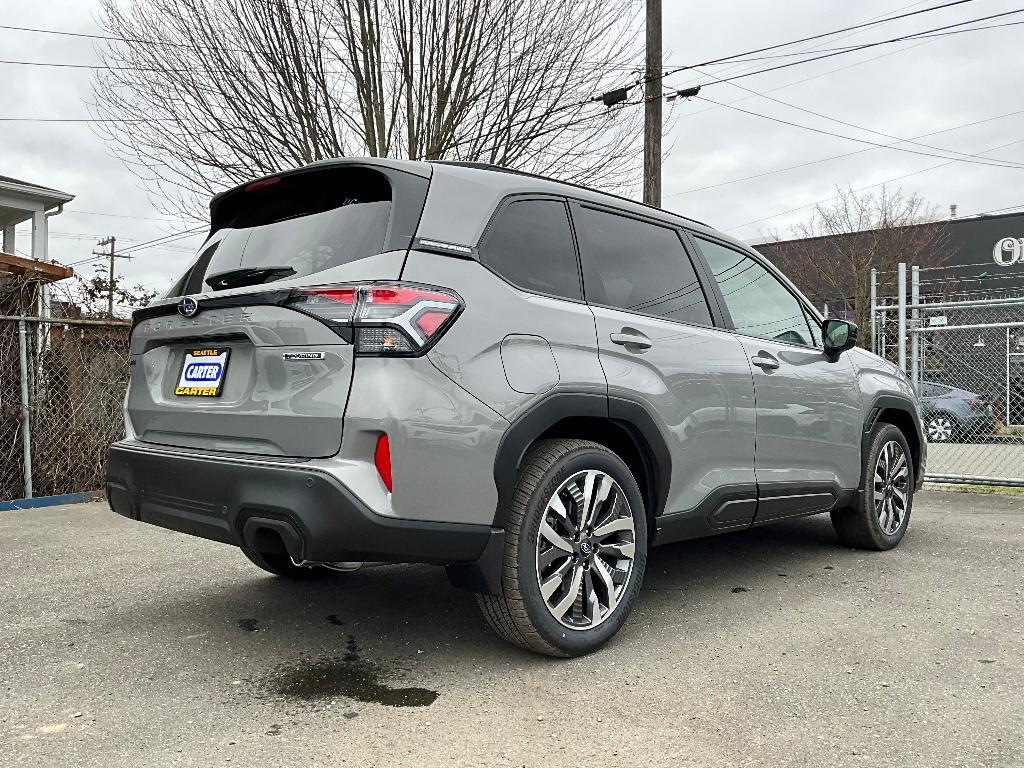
[525,381]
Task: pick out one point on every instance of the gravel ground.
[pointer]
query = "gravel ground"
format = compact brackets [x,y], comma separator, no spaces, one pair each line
[122,645]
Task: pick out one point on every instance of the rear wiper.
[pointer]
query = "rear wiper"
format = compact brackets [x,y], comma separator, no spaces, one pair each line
[235,278]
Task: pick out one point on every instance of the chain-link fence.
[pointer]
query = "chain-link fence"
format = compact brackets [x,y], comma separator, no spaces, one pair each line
[62,385]
[965,354]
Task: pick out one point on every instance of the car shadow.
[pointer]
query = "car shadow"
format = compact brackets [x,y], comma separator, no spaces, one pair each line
[400,612]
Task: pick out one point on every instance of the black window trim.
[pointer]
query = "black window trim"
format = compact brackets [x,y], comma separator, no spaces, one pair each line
[718,319]
[505,202]
[770,268]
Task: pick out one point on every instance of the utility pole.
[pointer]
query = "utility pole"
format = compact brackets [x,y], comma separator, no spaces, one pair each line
[111,255]
[652,106]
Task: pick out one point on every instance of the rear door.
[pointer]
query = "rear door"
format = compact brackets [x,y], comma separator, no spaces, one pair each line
[658,345]
[809,415]
[247,370]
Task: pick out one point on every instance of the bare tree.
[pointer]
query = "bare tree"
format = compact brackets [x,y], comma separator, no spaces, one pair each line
[833,252]
[202,94]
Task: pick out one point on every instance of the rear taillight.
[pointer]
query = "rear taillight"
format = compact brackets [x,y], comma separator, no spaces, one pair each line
[395,319]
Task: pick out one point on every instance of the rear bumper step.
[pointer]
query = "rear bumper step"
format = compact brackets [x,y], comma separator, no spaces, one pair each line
[317,518]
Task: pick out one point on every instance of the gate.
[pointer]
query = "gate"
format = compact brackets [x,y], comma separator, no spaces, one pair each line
[965,357]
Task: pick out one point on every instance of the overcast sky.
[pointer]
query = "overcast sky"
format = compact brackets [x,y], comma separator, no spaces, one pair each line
[905,90]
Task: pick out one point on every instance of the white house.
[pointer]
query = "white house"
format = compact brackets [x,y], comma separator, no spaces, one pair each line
[21,201]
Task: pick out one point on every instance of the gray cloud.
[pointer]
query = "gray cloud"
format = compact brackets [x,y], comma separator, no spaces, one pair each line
[906,89]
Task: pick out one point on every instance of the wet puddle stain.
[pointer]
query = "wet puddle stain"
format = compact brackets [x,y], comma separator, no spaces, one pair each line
[349,676]
[333,619]
[249,625]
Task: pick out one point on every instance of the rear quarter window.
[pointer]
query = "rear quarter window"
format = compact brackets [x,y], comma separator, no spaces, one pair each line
[530,244]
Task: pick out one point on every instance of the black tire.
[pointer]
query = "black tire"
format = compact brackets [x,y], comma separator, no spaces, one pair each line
[859,525]
[520,614]
[280,564]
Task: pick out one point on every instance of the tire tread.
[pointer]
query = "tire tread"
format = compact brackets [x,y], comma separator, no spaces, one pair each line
[506,613]
[853,525]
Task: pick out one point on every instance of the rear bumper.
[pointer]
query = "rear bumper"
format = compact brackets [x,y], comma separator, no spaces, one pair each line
[231,499]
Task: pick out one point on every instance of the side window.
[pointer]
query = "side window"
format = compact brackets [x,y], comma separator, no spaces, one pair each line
[530,244]
[640,267]
[759,304]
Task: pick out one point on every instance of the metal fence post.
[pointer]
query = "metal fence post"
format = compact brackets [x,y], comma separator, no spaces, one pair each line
[26,428]
[901,304]
[915,319]
[874,311]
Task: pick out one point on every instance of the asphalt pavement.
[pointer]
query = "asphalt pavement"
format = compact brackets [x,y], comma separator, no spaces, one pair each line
[123,644]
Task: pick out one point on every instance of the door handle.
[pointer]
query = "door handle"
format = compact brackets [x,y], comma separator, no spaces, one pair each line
[765,362]
[628,337]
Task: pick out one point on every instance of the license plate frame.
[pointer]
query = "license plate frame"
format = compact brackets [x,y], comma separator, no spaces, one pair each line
[202,373]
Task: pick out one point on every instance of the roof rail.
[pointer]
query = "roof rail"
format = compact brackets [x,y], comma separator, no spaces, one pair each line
[503,169]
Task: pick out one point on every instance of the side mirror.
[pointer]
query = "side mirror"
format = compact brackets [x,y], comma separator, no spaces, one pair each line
[837,337]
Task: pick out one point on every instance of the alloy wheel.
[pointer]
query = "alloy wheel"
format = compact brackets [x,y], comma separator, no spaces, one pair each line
[940,429]
[891,487]
[585,549]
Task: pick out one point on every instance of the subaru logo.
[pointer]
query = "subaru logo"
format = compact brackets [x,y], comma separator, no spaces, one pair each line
[188,306]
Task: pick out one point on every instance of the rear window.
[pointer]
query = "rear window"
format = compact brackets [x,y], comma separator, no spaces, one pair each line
[306,223]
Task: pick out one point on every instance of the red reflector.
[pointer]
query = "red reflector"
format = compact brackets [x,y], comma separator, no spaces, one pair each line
[382,460]
[262,183]
[429,322]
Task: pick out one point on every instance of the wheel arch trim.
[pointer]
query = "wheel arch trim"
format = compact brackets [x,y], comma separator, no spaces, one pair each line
[887,402]
[629,415]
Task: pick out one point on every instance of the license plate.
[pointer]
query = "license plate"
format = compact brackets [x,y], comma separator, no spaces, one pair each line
[202,373]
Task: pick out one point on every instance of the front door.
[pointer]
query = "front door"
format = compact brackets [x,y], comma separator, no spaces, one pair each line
[809,417]
[657,345]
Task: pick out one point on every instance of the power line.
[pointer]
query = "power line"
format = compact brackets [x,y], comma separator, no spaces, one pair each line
[862,25]
[898,139]
[599,64]
[820,75]
[619,94]
[861,47]
[863,141]
[192,46]
[164,240]
[84,119]
[737,66]
[863,189]
[626,89]
[839,156]
[120,215]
